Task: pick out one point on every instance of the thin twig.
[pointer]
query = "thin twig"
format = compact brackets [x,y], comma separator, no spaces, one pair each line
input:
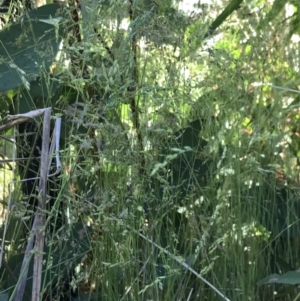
[182,263]
[20,118]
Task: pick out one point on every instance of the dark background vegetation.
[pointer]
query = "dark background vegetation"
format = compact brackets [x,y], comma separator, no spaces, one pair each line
[179,148]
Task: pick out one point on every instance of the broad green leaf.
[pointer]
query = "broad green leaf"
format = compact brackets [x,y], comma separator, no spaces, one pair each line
[292,277]
[39,95]
[28,48]
[273,278]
